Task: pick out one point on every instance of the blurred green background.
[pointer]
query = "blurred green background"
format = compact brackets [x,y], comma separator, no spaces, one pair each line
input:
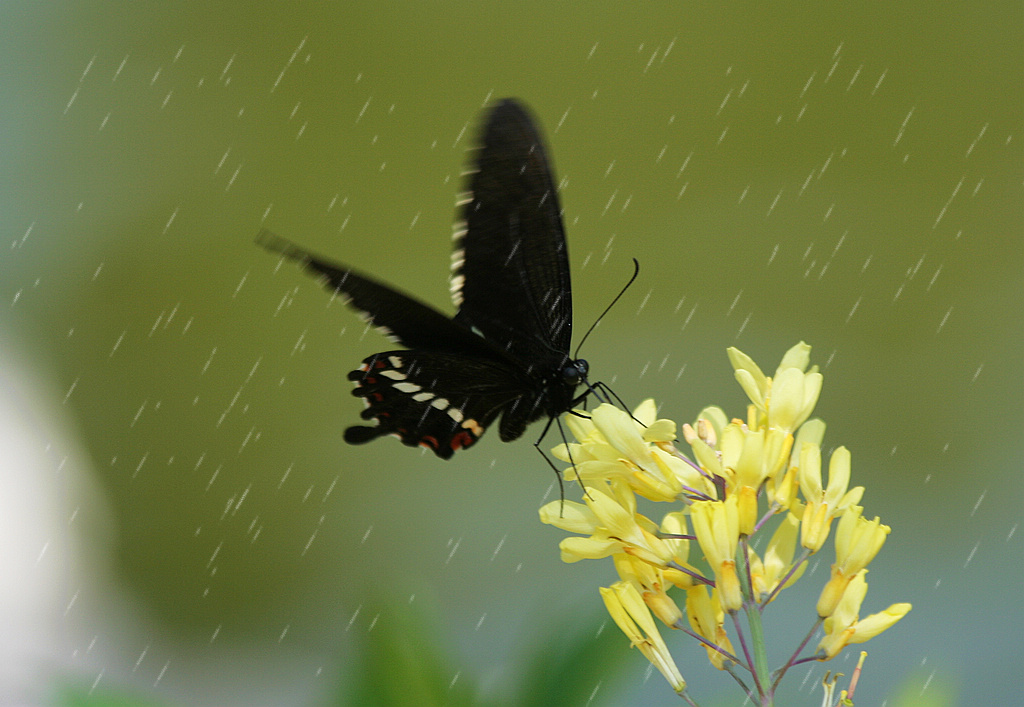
[182,521]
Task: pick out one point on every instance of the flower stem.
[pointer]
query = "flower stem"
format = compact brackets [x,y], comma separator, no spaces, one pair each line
[762,673]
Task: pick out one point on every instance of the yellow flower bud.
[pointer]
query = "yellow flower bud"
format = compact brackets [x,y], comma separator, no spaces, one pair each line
[627,609]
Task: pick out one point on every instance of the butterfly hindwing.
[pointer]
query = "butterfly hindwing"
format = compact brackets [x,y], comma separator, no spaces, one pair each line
[510,247]
[436,400]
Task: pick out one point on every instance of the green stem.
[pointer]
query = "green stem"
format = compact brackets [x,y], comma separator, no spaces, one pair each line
[750,608]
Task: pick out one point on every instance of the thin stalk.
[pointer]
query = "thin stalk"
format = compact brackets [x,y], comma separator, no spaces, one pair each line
[793,659]
[762,673]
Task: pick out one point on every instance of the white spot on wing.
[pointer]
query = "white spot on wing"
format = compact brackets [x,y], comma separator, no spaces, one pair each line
[440,403]
[407,387]
[395,361]
[394,375]
[422,397]
[456,289]
[455,414]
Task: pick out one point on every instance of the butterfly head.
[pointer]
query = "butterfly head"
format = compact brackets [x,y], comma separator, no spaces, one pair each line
[575,372]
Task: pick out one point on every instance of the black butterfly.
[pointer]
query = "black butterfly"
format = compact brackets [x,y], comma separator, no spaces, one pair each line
[506,351]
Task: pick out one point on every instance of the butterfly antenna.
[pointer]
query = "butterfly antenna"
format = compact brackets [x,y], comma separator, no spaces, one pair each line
[636,271]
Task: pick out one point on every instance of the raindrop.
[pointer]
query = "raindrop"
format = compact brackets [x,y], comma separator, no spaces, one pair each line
[71,603]
[879,82]
[355,615]
[735,301]
[806,182]
[668,48]
[689,317]
[855,75]
[808,84]
[290,61]
[160,676]
[743,326]
[725,100]
[120,67]
[454,549]
[903,126]
[980,135]
[117,343]
[233,177]
[330,489]
[95,682]
[285,477]
[825,166]
[949,201]
[561,120]
[685,162]
[309,542]
[497,549]
[71,389]
[170,220]
[70,101]
[141,656]
[651,60]
[138,413]
[970,555]
[855,305]
[141,462]
[832,70]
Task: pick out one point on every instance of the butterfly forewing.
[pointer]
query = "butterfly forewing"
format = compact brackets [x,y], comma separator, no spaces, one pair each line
[404,319]
[510,275]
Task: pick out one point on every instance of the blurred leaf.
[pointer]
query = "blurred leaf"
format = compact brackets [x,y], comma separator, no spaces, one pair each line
[934,689]
[85,696]
[402,663]
[569,662]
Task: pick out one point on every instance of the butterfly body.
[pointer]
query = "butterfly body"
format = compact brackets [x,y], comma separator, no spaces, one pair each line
[506,351]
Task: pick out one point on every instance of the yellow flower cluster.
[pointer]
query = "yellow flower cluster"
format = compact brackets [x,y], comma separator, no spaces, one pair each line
[744,475]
